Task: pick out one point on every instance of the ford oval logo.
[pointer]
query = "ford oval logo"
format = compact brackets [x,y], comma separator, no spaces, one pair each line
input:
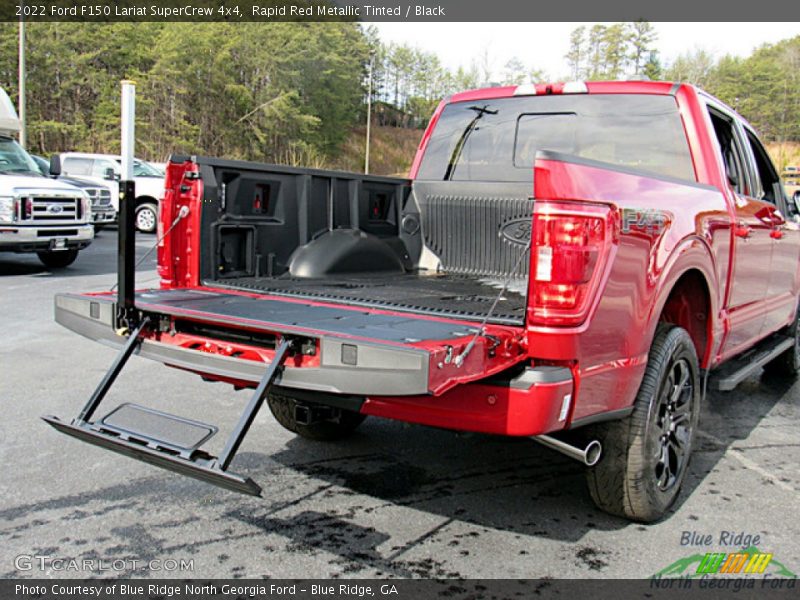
[517,231]
[54,209]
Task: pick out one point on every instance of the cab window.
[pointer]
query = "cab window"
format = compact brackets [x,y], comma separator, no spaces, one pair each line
[731,152]
[767,183]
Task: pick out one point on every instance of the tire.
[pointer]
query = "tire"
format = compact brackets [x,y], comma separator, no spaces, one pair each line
[147,217]
[342,424]
[57,260]
[646,455]
[787,364]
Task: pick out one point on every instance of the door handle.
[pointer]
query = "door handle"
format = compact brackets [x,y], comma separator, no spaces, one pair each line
[743,231]
[776,234]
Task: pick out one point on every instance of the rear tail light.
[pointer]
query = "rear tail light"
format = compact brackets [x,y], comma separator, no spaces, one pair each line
[571,244]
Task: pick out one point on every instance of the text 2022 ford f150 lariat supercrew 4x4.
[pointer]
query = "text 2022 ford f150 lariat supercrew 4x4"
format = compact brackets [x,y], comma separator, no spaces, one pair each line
[565,261]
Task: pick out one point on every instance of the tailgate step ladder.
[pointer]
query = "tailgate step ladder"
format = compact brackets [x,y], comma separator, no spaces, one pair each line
[165,440]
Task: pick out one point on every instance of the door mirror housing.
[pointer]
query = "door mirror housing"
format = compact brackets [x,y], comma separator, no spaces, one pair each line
[55,165]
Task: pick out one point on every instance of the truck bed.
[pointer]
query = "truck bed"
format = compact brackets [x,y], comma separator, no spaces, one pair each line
[446,295]
[436,248]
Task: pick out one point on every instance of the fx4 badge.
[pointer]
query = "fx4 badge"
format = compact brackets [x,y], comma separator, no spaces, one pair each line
[647,220]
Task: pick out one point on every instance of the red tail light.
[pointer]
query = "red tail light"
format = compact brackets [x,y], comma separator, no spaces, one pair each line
[571,244]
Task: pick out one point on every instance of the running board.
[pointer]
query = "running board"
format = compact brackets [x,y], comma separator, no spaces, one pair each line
[165,440]
[732,373]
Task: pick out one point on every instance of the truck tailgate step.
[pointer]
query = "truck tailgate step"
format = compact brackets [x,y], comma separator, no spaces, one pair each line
[157,429]
[165,440]
[201,466]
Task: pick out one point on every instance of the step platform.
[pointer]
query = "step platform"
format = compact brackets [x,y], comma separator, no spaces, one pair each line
[159,439]
[736,370]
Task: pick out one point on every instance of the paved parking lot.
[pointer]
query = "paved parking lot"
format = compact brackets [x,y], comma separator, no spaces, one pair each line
[393,501]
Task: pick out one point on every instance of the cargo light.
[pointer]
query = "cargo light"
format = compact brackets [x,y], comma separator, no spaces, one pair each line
[571,244]
[545,89]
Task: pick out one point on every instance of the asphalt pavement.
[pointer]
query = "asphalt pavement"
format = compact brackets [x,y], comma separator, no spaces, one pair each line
[395,500]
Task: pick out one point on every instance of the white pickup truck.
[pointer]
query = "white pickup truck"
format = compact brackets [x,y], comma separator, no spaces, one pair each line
[105,169]
[38,214]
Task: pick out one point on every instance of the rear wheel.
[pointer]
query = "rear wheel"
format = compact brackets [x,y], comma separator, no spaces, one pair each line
[57,260]
[787,364]
[646,455]
[337,424]
[146,217]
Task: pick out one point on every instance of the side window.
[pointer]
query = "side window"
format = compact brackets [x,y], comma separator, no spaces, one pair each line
[78,166]
[100,167]
[768,184]
[732,156]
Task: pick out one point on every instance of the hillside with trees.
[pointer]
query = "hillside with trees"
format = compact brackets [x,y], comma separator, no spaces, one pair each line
[297,92]
[764,87]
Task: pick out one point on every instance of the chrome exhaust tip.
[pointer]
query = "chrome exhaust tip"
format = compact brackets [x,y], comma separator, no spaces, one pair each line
[589,456]
[592,453]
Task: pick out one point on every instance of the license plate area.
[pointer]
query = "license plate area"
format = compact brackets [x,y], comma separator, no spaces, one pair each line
[57,244]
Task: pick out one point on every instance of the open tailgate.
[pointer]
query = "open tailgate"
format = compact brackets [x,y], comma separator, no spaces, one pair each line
[347,350]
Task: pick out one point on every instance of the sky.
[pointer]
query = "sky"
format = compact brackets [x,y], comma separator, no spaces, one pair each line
[543,45]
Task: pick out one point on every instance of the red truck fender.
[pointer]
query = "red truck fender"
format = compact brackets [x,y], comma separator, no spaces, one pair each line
[684,297]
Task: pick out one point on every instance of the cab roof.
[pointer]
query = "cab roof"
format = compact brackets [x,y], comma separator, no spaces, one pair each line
[570,87]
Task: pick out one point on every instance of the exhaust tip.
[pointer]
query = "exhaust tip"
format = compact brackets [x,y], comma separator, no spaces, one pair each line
[593,452]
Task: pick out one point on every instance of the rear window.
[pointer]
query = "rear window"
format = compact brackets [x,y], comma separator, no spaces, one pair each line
[497,140]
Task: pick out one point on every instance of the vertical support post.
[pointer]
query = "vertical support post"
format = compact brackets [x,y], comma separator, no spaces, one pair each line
[369,112]
[126,256]
[23,136]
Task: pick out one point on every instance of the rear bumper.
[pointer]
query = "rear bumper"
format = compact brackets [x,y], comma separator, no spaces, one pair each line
[537,401]
[32,238]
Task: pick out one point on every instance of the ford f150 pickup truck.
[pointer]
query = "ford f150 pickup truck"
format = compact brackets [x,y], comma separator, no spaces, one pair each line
[566,261]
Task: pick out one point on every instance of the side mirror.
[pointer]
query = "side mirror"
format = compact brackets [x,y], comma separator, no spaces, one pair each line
[110,175]
[55,165]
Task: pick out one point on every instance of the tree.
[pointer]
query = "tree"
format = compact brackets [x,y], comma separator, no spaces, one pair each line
[642,35]
[596,66]
[652,68]
[514,72]
[692,67]
[577,50]
[615,47]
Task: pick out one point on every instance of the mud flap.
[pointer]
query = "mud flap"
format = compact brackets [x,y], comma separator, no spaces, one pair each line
[165,440]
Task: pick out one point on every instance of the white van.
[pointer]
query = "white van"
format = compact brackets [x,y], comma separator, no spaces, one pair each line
[38,214]
[106,169]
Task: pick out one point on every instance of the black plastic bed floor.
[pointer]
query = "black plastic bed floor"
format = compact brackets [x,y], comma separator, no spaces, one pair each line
[442,295]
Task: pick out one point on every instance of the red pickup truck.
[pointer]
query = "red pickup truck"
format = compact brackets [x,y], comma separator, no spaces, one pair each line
[568,262]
